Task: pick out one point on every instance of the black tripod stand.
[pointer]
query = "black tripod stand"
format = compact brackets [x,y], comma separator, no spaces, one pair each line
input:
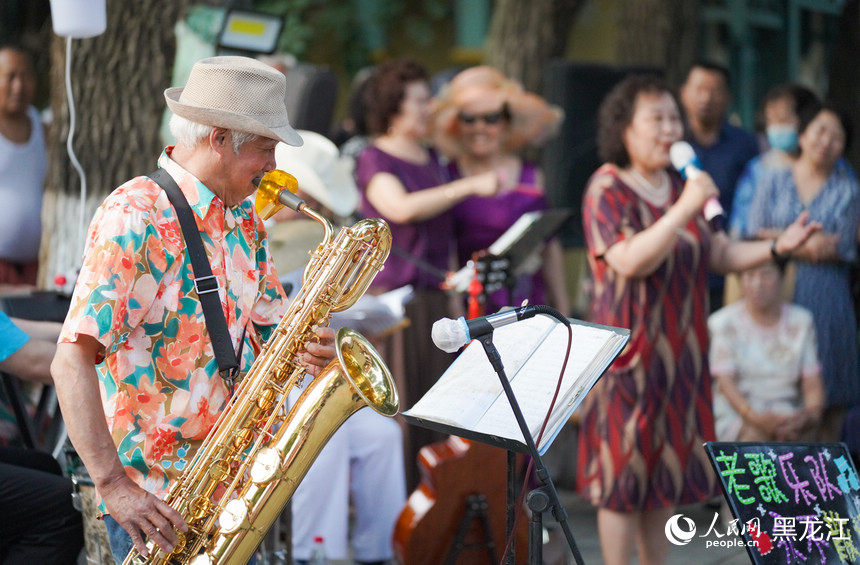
[544,497]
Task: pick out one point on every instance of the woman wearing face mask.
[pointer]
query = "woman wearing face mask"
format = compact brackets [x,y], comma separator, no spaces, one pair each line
[782,104]
[815,184]
[649,249]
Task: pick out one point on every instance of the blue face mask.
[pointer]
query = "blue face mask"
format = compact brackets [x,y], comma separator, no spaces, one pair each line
[782,137]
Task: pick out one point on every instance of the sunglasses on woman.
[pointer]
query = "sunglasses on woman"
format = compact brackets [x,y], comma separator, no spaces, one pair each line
[490,118]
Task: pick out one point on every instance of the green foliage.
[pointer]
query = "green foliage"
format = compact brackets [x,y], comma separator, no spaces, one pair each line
[352,28]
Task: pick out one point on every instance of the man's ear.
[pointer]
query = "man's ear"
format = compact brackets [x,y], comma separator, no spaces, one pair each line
[220,140]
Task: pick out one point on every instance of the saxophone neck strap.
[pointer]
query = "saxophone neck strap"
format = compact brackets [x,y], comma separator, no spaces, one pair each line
[205,283]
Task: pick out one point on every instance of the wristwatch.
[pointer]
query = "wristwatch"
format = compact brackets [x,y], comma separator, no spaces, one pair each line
[780,258]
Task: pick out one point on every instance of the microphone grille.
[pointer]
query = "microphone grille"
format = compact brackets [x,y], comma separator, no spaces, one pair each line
[681,154]
[449,335]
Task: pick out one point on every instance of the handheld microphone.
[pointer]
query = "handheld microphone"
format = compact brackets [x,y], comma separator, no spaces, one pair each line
[684,159]
[450,335]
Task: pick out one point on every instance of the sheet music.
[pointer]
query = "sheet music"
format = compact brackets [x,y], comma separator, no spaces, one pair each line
[534,387]
[513,233]
[470,396]
[467,399]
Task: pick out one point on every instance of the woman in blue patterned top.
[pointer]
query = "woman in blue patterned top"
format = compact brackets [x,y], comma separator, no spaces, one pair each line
[824,262]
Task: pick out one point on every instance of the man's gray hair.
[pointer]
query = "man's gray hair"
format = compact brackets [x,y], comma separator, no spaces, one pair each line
[190,133]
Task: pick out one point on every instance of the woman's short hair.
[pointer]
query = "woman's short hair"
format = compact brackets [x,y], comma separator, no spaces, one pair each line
[190,133]
[386,89]
[799,96]
[808,115]
[616,113]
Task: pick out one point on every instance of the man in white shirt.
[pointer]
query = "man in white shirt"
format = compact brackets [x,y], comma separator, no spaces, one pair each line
[23,161]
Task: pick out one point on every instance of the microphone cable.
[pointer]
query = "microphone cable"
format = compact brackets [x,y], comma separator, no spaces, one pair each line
[530,467]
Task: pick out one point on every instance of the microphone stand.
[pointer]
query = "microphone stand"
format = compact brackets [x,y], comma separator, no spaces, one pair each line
[546,496]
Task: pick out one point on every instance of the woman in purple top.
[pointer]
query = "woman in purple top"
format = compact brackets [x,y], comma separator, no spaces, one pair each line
[402,181]
[482,119]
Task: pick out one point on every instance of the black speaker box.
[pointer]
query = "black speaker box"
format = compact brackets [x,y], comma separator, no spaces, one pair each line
[570,158]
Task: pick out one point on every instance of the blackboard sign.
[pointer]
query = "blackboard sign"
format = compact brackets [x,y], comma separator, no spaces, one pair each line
[794,502]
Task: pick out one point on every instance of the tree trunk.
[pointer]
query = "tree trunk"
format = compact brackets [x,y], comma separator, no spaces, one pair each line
[659,33]
[844,87]
[524,36]
[118,80]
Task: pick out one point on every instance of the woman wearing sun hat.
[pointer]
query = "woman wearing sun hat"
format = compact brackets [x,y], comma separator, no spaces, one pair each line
[402,180]
[362,462]
[326,184]
[481,120]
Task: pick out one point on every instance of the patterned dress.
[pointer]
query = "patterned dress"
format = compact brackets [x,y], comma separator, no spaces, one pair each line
[823,288]
[643,424]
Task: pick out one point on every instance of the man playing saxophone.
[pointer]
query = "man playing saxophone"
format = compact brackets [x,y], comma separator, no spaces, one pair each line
[135,371]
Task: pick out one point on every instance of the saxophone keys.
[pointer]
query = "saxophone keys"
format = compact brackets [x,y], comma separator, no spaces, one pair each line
[266,466]
[198,509]
[243,439]
[234,517]
[219,470]
[179,547]
[266,399]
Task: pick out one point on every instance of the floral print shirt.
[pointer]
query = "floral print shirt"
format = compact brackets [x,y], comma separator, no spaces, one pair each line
[135,294]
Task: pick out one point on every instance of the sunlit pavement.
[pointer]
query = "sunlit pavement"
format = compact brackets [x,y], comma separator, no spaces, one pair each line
[582,519]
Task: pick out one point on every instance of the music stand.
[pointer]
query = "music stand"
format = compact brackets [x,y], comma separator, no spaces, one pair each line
[509,255]
[595,359]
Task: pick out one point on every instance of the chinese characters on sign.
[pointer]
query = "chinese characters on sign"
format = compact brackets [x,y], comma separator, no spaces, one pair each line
[801,502]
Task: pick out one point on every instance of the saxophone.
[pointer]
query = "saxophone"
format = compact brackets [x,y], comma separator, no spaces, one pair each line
[259,451]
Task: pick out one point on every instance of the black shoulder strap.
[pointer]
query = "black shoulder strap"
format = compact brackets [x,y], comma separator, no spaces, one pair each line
[205,282]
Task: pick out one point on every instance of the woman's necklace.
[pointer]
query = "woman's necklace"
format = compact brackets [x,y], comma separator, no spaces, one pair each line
[657,195]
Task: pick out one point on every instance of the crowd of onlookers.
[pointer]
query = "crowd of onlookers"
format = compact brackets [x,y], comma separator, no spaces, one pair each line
[748,334]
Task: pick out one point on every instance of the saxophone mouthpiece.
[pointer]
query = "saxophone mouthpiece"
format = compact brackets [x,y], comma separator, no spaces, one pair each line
[275,190]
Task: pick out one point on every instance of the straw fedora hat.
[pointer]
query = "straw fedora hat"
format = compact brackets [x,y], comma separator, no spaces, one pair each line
[532,119]
[322,173]
[237,93]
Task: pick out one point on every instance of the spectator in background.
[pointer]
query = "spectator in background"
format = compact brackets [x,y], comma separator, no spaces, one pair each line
[782,106]
[363,460]
[29,360]
[402,181]
[723,149]
[823,278]
[649,249]
[765,365]
[23,161]
[482,119]
[350,135]
[38,523]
